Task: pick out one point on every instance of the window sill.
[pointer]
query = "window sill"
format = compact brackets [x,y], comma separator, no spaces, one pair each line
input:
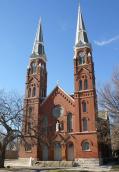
[80,91]
[28,151]
[87,150]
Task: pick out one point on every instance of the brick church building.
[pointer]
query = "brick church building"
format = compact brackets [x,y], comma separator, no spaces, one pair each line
[61,126]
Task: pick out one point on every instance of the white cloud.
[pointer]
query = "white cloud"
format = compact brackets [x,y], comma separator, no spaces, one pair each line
[105,42]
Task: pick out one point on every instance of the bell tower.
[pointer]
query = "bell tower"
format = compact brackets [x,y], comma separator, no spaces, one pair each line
[36,91]
[84,80]
[36,85]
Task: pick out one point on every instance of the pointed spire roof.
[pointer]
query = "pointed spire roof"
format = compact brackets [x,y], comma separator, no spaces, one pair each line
[81,35]
[38,47]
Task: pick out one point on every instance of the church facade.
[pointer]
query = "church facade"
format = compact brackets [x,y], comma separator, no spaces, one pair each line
[61,126]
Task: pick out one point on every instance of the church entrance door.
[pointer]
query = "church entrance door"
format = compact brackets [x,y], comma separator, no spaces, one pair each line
[45,153]
[57,152]
[70,152]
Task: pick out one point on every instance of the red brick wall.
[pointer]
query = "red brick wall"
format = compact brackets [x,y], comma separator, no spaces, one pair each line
[11,154]
[72,105]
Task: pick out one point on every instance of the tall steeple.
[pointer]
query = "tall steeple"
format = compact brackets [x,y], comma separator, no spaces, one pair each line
[38,47]
[81,35]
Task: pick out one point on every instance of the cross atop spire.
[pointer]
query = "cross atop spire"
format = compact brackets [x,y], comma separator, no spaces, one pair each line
[38,47]
[81,35]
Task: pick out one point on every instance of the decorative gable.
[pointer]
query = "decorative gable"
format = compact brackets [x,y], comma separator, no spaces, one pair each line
[58,91]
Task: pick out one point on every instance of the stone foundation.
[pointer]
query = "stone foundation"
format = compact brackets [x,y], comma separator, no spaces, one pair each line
[52,163]
[21,162]
[81,162]
[86,162]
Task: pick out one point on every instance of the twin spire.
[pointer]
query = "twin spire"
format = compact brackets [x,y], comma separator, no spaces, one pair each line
[81,35]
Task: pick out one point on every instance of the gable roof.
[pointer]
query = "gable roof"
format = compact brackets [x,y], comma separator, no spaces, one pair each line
[63,137]
[58,87]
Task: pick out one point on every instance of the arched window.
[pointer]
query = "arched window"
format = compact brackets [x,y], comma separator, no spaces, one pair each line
[45,121]
[40,49]
[29,92]
[29,127]
[44,152]
[34,91]
[69,122]
[33,67]
[28,147]
[70,152]
[43,94]
[85,84]
[81,58]
[45,125]
[93,83]
[30,111]
[85,124]
[80,85]
[85,146]
[57,152]
[84,107]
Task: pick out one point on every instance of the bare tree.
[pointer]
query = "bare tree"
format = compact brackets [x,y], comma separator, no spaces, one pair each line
[109,101]
[103,131]
[11,112]
[109,95]
[115,139]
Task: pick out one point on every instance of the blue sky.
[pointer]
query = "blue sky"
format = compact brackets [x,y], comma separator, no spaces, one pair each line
[18,25]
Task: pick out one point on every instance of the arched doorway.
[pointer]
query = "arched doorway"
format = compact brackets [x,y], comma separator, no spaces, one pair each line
[45,153]
[57,152]
[70,152]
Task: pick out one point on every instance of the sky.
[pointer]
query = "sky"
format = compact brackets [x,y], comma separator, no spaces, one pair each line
[18,25]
